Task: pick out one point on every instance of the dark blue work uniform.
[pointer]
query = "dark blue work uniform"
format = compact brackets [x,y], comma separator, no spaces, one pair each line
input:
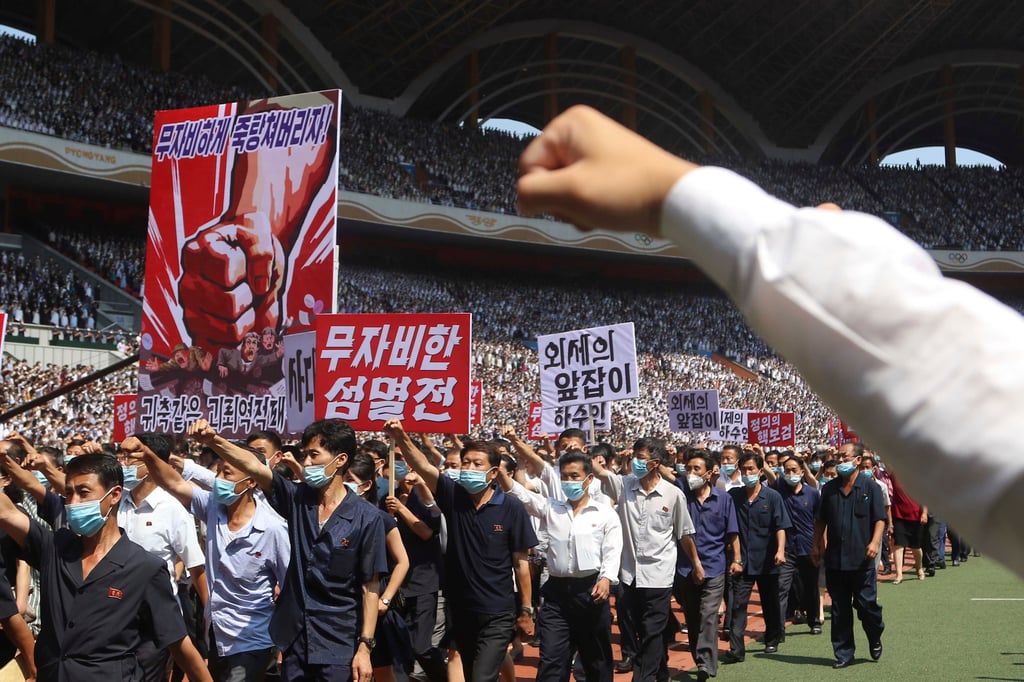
[802,508]
[318,616]
[758,521]
[478,573]
[92,627]
[715,523]
[850,576]
[422,584]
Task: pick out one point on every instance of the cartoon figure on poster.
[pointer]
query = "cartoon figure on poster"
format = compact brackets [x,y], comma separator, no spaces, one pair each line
[240,252]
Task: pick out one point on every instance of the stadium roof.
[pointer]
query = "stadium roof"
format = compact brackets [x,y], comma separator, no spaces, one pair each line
[794,79]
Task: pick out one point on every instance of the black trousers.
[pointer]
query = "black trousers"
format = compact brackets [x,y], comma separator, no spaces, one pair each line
[853,590]
[573,621]
[650,608]
[420,617]
[768,588]
[624,616]
[482,640]
[802,571]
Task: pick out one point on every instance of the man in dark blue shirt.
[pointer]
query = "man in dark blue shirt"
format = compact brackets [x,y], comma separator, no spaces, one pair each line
[489,535]
[853,516]
[326,616]
[762,521]
[802,503]
[714,518]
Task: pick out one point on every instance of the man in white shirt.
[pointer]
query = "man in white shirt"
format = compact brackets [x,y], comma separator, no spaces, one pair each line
[654,521]
[153,519]
[897,332]
[583,555]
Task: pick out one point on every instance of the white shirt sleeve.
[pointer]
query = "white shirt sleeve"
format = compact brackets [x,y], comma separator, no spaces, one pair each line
[611,550]
[536,505]
[200,476]
[928,369]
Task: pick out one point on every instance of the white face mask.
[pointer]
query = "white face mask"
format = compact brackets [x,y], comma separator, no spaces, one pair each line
[694,481]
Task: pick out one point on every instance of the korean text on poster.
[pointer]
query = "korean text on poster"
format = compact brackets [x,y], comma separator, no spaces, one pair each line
[124,415]
[693,411]
[588,366]
[772,429]
[240,253]
[411,366]
[476,401]
[554,420]
[535,421]
[300,380]
[732,426]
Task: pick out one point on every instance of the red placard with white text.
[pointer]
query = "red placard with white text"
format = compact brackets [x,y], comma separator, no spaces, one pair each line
[240,252]
[536,421]
[772,429]
[410,366]
[476,401]
[124,416]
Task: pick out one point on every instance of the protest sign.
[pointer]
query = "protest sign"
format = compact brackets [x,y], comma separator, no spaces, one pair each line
[554,420]
[693,410]
[588,366]
[409,366]
[124,416]
[240,251]
[476,401]
[732,426]
[772,429]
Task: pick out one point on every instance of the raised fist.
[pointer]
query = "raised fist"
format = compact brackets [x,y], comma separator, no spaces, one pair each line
[231,278]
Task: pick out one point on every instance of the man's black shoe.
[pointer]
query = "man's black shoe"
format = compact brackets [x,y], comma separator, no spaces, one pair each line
[956,562]
[771,648]
[625,665]
[729,657]
[842,664]
[876,650]
[930,572]
[941,564]
[703,675]
[815,629]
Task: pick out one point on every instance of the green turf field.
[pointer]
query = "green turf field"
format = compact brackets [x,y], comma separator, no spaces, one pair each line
[935,629]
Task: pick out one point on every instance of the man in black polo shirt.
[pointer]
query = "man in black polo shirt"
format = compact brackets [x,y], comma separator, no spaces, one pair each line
[853,515]
[802,503]
[762,521]
[100,591]
[489,535]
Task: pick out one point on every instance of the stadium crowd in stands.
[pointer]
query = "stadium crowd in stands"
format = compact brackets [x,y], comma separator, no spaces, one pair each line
[963,208]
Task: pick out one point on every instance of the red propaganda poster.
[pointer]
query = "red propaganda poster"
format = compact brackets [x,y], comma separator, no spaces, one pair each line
[408,366]
[848,433]
[124,416]
[240,252]
[772,429]
[476,401]
[536,421]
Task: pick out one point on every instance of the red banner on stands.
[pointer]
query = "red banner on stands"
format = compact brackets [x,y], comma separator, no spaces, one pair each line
[413,366]
[536,421]
[476,401]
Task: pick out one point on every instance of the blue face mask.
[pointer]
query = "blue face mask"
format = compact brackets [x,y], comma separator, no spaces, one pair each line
[401,470]
[352,487]
[815,467]
[777,471]
[793,479]
[41,478]
[452,474]
[224,491]
[473,481]
[680,468]
[728,470]
[316,476]
[573,490]
[85,518]
[751,480]
[639,468]
[131,477]
[845,468]
[865,473]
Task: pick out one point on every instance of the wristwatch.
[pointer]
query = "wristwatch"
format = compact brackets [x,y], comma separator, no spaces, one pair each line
[385,601]
[370,642]
[737,561]
[528,610]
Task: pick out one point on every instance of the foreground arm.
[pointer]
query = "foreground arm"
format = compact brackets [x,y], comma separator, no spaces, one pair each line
[188,659]
[240,458]
[908,348]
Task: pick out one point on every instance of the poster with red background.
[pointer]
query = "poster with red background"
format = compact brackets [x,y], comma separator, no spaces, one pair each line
[240,252]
